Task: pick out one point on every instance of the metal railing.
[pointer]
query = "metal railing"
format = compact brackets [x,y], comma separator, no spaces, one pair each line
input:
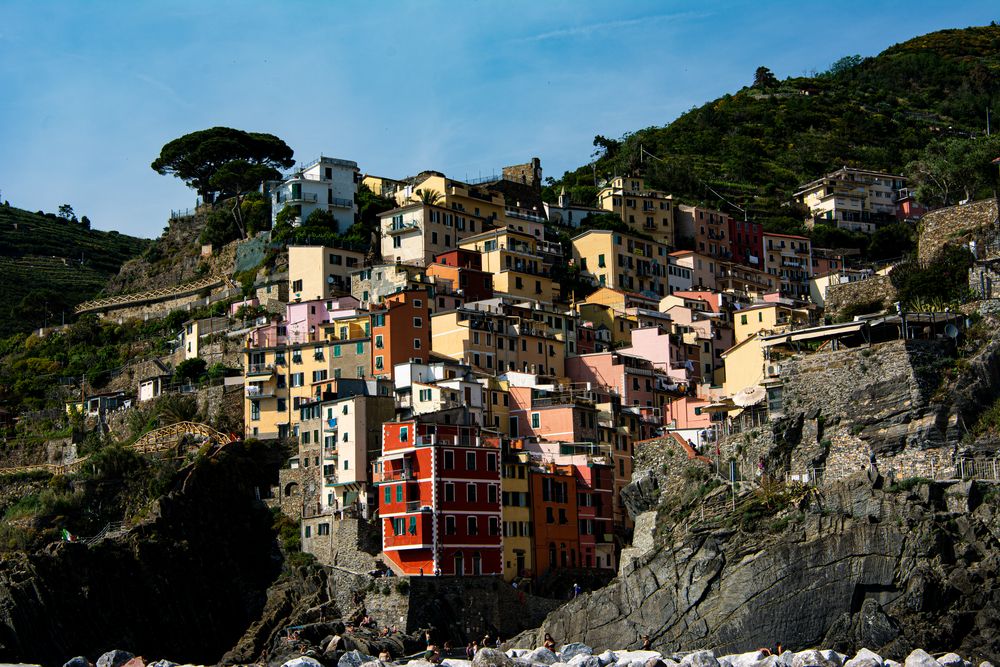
[161,294]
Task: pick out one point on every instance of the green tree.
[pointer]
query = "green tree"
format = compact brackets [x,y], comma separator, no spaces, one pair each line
[237,177]
[431,197]
[66,212]
[844,64]
[197,157]
[955,168]
[764,78]
[85,222]
[190,369]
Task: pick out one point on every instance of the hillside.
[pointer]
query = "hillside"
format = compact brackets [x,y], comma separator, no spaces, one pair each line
[50,264]
[754,147]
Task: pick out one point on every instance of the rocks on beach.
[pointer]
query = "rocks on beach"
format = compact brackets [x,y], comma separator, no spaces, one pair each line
[581,655]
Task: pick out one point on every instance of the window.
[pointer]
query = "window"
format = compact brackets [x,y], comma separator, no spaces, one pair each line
[470,492]
[388,495]
[491,493]
[379,364]
[417,322]
[399,493]
[535,420]
[404,433]
[296,285]
[600,261]
[491,461]
[449,459]
[416,343]
[449,525]
[282,405]
[494,526]
[470,460]
[336,351]
[449,492]
[359,348]
[473,526]
[318,376]
[297,379]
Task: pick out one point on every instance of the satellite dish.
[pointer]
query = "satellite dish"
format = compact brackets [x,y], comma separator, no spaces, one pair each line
[329,279]
[951,331]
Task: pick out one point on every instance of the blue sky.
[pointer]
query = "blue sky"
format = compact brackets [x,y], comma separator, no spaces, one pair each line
[90,91]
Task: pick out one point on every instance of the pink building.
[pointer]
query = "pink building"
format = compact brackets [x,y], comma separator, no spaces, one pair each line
[661,349]
[633,378]
[562,415]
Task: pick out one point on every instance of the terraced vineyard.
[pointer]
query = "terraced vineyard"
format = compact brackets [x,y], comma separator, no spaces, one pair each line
[48,265]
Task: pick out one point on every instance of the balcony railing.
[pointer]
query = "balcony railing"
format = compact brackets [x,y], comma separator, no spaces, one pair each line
[259,392]
[402,227]
[341,203]
[305,197]
[260,369]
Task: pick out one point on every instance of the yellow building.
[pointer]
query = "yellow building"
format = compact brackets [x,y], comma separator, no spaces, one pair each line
[496,408]
[621,261]
[279,377]
[317,272]
[648,211]
[516,493]
[745,365]
[514,260]
[769,318]
[498,339]
[605,318]
[454,195]
[854,199]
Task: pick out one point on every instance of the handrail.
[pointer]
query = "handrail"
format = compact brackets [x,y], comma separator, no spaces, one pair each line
[149,295]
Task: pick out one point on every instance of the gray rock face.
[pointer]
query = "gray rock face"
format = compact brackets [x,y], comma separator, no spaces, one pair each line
[951,660]
[78,661]
[583,660]
[491,657]
[303,661]
[642,494]
[115,658]
[863,568]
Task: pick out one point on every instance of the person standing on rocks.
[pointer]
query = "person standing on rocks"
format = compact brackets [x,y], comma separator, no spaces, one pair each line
[647,645]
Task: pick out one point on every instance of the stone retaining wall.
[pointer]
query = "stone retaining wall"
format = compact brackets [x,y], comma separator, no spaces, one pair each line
[877,290]
[954,224]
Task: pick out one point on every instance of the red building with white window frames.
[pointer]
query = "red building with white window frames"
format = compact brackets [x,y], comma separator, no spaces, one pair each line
[439,497]
[401,331]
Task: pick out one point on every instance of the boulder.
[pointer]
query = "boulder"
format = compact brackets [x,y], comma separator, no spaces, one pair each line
[162,663]
[702,659]
[893,663]
[458,662]
[986,663]
[920,658]
[542,655]
[584,660]
[865,658]
[78,661]
[420,662]
[354,659]
[834,658]
[137,661]
[374,663]
[115,658]
[814,658]
[518,652]
[491,657]
[607,658]
[637,658]
[951,660]
[743,659]
[303,661]
[655,662]
[569,651]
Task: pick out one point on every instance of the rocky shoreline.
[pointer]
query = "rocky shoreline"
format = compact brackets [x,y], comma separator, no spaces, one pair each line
[329,653]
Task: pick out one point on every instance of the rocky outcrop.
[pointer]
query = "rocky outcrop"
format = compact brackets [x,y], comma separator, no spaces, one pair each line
[855,567]
[185,584]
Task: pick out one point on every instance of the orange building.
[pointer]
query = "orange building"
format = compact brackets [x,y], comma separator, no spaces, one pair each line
[554,515]
[401,331]
[460,271]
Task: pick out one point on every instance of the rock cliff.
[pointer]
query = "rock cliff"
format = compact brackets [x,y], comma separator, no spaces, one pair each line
[847,567]
[183,584]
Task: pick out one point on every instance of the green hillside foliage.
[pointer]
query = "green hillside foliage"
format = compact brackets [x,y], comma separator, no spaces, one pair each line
[49,264]
[755,147]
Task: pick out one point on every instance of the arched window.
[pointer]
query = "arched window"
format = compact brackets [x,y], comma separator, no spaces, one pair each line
[291,489]
[477,563]
[552,554]
[459,565]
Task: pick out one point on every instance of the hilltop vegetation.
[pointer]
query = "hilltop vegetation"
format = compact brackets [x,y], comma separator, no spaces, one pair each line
[50,264]
[755,147]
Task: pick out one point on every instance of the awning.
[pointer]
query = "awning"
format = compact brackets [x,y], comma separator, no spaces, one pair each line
[397,454]
[749,396]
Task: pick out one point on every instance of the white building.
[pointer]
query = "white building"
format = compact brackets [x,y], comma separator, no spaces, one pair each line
[854,199]
[328,184]
[567,214]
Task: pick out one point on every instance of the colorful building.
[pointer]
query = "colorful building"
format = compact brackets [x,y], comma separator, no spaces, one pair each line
[439,498]
[400,331]
[648,211]
[621,261]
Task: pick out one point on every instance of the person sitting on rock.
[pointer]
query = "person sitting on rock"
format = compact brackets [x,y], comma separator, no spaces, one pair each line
[469,653]
[549,643]
[647,645]
[384,656]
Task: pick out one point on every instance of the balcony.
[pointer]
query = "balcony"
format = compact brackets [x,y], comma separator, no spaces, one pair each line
[260,369]
[259,392]
[402,228]
[417,506]
[341,203]
[522,215]
[393,476]
[301,198]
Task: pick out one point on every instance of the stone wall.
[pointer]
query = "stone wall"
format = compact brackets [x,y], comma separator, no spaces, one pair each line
[954,224]
[351,544]
[878,288]
[842,407]
[984,279]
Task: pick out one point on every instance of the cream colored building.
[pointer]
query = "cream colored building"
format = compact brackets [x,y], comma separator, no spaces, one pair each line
[318,272]
[620,261]
[745,365]
[515,488]
[648,211]
[497,339]
[515,261]
[767,318]
[416,232]
[858,200]
[788,258]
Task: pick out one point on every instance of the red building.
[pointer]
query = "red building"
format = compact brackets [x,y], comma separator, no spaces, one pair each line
[401,331]
[439,497]
[747,242]
[462,271]
[594,483]
[555,518]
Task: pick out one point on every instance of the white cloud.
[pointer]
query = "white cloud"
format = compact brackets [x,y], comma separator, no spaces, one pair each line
[592,28]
